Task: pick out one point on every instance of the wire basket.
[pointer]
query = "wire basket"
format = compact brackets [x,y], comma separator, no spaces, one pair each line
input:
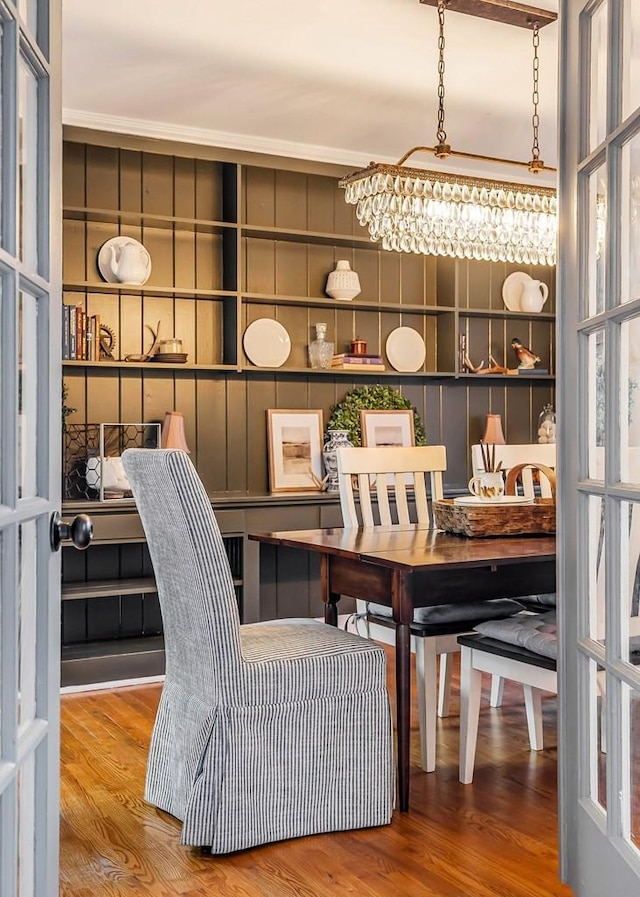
[92,468]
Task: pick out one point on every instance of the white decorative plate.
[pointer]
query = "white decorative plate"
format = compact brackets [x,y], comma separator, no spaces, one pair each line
[512,289]
[266,343]
[139,253]
[405,349]
[502,500]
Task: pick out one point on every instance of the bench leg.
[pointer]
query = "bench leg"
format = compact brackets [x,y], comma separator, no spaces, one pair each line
[470,688]
[426,675]
[444,684]
[533,705]
[497,691]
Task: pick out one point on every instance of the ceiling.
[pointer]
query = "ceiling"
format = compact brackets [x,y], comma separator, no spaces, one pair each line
[336,80]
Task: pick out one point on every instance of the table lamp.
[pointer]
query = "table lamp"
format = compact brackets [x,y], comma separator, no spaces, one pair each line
[493,434]
[172,435]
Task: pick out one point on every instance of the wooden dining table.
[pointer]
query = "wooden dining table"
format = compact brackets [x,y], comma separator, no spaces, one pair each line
[411,566]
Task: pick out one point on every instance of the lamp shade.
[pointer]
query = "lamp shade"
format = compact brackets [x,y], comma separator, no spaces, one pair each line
[493,434]
[172,435]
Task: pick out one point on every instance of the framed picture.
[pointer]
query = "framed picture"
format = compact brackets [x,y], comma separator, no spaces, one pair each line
[295,450]
[387,428]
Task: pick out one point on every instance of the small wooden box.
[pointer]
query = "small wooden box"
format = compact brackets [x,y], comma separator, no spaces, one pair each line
[496,520]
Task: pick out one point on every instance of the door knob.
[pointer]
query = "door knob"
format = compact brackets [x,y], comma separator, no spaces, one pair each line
[79,531]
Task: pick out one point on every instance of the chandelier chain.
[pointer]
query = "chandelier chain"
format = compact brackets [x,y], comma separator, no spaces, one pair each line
[441,134]
[535,119]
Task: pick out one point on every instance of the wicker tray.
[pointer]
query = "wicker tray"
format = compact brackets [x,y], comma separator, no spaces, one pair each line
[496,520]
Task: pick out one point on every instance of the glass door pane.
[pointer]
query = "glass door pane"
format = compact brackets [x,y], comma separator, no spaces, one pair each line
[631,58]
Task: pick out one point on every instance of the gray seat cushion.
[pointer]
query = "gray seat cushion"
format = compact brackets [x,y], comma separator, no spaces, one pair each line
[535,632]
[497,608]
[547,600]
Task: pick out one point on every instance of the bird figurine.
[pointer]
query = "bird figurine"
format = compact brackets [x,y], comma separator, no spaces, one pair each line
[526,358]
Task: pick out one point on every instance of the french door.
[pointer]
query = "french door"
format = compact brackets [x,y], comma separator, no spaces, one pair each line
[599,461]
[30,418]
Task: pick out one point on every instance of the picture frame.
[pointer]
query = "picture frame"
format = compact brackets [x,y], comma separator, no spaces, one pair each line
[387,428]
[295,450]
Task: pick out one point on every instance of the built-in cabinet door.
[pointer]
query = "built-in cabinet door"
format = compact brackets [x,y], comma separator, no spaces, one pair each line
[599,460]
[30,419]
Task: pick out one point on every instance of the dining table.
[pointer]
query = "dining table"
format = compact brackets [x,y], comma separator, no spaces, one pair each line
[410,566]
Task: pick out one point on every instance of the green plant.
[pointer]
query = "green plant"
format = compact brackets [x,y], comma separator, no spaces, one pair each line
[346,414]
[66,410]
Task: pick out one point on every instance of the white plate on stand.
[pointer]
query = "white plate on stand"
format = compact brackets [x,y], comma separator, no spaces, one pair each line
[266,343]
[512,289]
[473,500]
[406,350]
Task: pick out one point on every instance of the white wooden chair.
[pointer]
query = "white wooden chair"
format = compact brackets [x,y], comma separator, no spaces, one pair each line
[379,472]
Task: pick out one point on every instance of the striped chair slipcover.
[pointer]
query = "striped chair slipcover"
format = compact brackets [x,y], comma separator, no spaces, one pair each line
[264,731]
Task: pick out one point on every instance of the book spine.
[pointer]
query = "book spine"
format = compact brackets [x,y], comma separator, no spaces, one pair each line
[358,359]
[96,338]
[65,332]
[73,349]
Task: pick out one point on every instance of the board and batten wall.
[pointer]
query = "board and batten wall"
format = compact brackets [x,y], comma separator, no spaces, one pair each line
[225,407]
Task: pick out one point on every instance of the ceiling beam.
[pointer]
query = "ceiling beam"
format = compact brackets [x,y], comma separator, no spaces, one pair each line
[506,11]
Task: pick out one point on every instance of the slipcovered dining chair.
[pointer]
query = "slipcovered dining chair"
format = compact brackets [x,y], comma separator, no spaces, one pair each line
[401,478]
[261,729]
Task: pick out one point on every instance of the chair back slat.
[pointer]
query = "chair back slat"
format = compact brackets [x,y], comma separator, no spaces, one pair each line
[402,506]
[392,472]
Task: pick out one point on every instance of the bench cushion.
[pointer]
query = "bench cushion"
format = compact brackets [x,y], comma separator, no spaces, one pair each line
[456,613]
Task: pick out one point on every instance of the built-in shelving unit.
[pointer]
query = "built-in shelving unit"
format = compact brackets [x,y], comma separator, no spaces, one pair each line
[233,238]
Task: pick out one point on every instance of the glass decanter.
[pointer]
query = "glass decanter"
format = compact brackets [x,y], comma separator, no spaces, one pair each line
[320,350]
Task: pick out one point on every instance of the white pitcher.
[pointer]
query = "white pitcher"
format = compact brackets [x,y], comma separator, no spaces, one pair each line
[130,262]
[534,295]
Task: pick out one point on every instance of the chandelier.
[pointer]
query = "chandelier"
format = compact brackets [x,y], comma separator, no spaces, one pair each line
[437,213]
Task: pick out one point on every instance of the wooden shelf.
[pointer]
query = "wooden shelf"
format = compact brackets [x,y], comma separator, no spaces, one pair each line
[110,588]
[155,366]
[505,313]
[81,286]
[145,219]
[304,236]
[333,372]
[338,305]
[507,378]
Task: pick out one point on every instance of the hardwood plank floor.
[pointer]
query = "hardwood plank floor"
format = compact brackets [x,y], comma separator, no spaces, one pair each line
[495,838]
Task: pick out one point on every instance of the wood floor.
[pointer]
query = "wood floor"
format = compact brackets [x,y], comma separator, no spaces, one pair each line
[495,838]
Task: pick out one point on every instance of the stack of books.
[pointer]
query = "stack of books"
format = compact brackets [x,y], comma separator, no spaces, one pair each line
[80,334]
[363,363]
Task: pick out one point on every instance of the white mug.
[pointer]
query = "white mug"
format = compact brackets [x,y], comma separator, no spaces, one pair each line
[487,485]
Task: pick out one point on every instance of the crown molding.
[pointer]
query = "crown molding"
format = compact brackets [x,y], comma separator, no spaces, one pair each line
[265,146]
[244,142]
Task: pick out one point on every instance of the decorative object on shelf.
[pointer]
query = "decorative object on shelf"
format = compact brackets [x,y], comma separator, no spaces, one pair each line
[266,343]
[107,343]
[526,358]
[169,351]
[387,428]
[320,349]
[405,349]
[534,295]
[493,435]
[346,414]
[512,289]
[335,439]
[66,409]
[172,435]
[154,345]
[358,346]
[436,213]
[92,469]
[124,260]
[343,283]
[295,450]
[547,425]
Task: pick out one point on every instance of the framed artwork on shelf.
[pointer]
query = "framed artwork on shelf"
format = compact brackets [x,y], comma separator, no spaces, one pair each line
[387,428]
[295,450]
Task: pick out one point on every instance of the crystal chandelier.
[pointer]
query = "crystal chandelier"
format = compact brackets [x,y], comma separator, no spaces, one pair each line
[437,213]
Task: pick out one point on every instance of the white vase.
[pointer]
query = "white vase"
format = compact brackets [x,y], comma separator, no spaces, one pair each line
[336,439]
[343,283]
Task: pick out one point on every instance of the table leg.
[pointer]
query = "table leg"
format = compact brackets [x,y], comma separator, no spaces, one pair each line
[330,598]
[403,614]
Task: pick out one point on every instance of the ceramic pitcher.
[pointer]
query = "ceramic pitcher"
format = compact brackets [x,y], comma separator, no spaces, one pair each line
[130,263]
[534,295]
